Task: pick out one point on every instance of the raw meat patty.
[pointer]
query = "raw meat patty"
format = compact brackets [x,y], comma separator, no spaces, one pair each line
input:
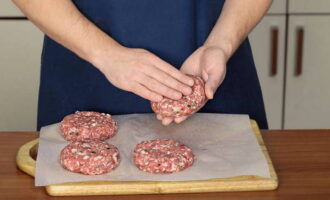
[88,125]
[185,106]
[90,158]
[162,156]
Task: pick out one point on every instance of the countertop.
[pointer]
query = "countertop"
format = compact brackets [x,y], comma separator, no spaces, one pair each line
[301,159]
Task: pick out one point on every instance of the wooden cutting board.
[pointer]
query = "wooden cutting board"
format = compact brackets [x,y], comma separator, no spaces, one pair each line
[26,155]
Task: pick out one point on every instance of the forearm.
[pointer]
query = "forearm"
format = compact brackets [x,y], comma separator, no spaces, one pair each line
[236,21]
[63,22]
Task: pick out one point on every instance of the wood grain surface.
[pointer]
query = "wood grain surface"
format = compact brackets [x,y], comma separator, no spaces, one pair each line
[26,163]
[301,159]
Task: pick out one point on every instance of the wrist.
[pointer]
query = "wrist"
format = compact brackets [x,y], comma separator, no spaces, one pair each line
[104,53]
[225,45]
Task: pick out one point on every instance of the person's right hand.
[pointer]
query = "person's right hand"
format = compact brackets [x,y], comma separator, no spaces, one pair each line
[143,73]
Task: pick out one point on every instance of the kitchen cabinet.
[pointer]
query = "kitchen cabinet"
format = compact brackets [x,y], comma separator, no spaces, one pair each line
[8,9]
[268,44]
[277,7]
[297,96]
[309,6]
[307,101]
[20,50]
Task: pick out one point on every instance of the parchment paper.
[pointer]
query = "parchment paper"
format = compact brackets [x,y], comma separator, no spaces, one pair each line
[224,146]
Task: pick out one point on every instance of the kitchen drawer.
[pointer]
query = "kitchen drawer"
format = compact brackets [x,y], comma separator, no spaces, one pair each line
[8,9]
[20,50]
[309,6]
[277,7]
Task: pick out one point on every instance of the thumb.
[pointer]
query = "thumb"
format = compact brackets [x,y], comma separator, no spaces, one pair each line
[212,84]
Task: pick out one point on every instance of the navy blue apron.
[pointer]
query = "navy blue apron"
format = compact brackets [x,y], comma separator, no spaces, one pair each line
[171,29]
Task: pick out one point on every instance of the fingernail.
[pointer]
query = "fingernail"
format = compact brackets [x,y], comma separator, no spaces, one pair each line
[165,124]
[159,98]
[177,95]
[191,82]
[187,90]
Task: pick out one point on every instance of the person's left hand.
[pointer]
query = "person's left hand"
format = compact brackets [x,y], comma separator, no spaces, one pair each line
[208,62]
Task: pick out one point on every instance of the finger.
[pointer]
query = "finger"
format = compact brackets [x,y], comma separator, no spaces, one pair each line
[209,90]
[146,93]
[168,80]
[159,117]
[169,69]
[178,120]
[159,88]
[211,85]
[167,121]
[205,76]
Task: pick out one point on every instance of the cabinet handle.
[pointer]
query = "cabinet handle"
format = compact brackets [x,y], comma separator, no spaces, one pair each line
[274,51]
[299,51]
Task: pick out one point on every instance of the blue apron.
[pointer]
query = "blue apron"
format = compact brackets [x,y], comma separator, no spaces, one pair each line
[171,29]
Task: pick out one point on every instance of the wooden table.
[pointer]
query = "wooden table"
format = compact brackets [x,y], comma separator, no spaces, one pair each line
[301,159]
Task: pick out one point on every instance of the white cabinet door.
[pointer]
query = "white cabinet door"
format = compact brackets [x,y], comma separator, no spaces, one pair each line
[20,50]
[307,104]
[277,7]
[8,9]
[263,42]
[309,6]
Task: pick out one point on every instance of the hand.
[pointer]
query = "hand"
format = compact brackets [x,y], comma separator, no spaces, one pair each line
[143,73]
[208,62]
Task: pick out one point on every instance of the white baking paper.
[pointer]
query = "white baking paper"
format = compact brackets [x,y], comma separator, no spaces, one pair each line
[224,146]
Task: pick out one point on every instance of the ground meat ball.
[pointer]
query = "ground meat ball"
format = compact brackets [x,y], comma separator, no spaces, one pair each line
[88,125]
[90,158]
[185,106]
[162,156]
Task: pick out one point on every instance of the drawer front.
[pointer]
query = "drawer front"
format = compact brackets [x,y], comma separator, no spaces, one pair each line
[277,7]
[309,6]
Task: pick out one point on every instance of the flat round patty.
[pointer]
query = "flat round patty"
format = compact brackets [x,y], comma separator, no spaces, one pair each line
[162,156]
[185,106]
[88,125]
[90,158]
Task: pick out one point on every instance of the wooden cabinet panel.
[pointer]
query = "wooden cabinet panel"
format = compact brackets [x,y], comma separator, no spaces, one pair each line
[272,85]
[8,9]
[309,6]
[308,94]
[20,50]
